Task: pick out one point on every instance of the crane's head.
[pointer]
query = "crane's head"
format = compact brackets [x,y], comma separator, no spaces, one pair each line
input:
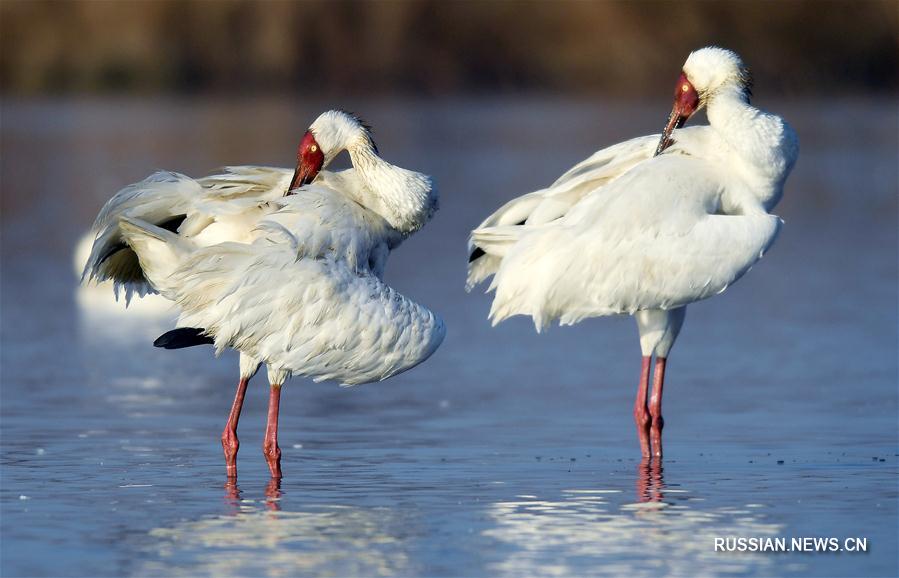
[310,160]
[706,73]
[332,132]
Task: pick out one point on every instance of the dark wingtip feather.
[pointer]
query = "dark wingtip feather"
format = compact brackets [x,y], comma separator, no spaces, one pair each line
[748,82]
[110,252]
[172,223]
[478,252]
[183,337]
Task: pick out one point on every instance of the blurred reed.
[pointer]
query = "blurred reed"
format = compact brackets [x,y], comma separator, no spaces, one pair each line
[436,47]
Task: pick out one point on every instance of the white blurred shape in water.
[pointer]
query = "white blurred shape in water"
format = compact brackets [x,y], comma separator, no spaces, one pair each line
[102,315]
[649,538]
[324,541]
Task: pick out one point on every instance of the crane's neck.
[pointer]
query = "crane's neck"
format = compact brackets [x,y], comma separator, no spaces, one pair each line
[404,199]
[763,146]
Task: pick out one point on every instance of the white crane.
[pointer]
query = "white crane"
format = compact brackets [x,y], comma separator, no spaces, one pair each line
[647,226]
[295,281]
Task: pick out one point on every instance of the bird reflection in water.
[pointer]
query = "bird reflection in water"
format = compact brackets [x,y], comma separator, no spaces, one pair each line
[650,481]
[261,534]
[272,495]
[232,495]
[604,529]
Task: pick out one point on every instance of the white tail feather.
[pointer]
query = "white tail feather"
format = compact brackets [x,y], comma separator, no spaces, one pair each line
[159,251]
[496,241]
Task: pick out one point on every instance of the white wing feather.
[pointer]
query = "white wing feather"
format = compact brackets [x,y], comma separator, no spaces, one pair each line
[653,239]
[305,296]
[546,205]
[248,181]
[312,317]
[216,208]
[323,222]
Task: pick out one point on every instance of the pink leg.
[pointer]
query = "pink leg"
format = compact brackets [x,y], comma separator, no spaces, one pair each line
[270,444]
[230,442]
[641,413]
[655,406]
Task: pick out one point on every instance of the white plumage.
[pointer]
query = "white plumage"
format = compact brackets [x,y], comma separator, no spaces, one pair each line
[309,302]
[286,272]
[627,231]
[213,209]
[654,239]
[229,205]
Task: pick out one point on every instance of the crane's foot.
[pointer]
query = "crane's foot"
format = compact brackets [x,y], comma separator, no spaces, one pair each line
[273,457]
[230,443]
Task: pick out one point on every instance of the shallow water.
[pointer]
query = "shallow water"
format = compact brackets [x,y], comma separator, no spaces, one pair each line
[507,453]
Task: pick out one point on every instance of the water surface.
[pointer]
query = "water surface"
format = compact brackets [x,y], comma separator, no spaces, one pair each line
[507,453]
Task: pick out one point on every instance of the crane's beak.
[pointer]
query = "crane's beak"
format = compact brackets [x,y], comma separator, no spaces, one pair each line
[303,175]
[686,102]
[675,120]
[300,178]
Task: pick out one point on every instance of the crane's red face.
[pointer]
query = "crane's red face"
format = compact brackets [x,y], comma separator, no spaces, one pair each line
[686,102]
[310,159]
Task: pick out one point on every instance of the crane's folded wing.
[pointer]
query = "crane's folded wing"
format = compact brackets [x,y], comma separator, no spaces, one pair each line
[588,177]
[646,269]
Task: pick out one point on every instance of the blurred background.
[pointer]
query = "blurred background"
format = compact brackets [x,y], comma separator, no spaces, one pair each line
[436,47]
[506,453]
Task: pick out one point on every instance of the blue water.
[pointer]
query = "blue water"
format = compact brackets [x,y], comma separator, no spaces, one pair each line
[507,453]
